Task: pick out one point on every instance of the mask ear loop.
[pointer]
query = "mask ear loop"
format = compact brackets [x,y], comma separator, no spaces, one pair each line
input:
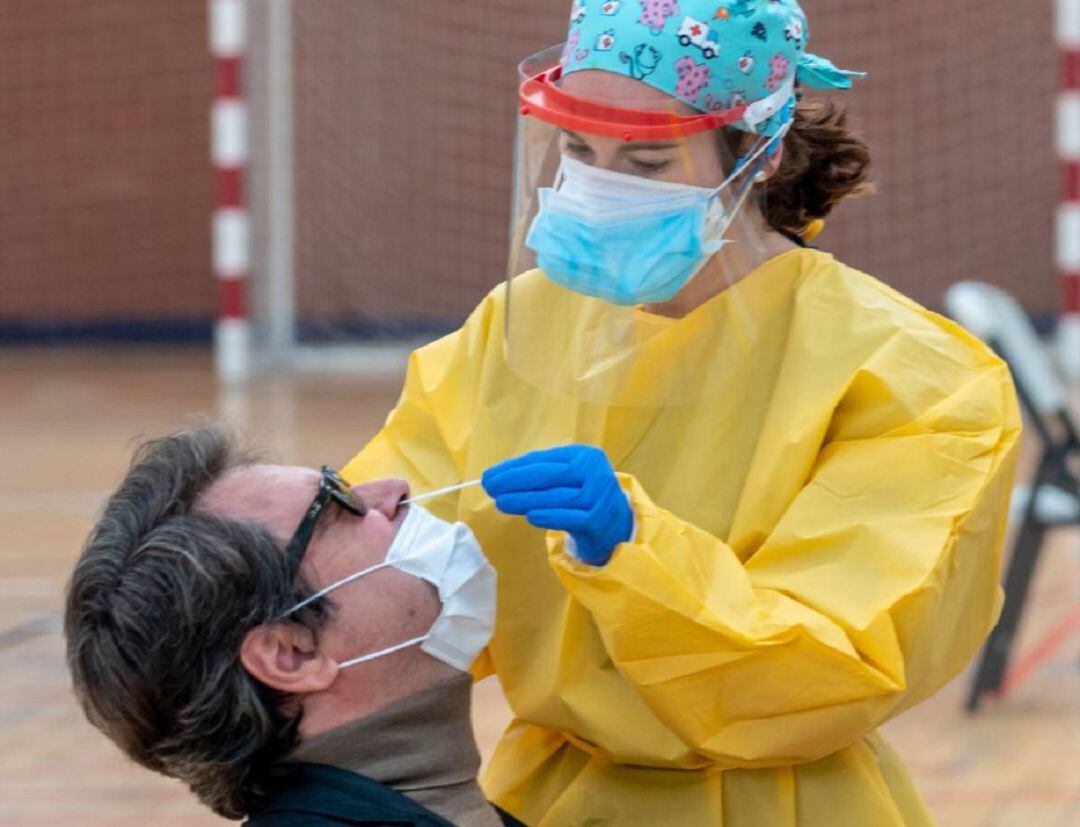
[326,590]
[765,146]
[559,175]
[344,581]
[345,664]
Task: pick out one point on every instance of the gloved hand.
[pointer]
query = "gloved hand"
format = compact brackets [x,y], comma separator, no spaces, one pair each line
[572,489]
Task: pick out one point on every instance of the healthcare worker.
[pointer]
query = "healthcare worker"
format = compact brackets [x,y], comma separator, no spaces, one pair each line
[745,502]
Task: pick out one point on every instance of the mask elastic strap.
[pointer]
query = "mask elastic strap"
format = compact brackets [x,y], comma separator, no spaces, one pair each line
[764,146]
[761,148]
[343,581]
[752,156]
[345,664]
[742,197]
[559,174]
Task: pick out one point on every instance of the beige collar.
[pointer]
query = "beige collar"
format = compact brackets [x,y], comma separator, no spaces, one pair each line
[422,746]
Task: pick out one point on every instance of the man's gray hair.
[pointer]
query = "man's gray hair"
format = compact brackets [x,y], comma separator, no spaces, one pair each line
[157,608]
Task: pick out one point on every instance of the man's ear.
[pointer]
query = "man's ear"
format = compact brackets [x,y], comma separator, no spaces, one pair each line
[284,656]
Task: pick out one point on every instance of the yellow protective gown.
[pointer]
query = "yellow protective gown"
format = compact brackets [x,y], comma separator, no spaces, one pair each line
[817,549]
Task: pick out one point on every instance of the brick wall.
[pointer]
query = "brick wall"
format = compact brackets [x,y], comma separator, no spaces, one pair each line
[105,188]
[405,120]
[406,129]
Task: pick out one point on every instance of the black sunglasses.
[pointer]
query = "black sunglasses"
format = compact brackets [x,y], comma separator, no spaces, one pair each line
[331,487]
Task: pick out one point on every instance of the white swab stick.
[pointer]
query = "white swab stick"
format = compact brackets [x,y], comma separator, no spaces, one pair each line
[431,494]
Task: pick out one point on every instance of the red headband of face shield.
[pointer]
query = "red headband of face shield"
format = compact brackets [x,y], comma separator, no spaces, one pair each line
[541,97]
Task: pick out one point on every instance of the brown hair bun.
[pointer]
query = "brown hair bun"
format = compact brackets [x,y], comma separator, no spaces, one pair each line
[824,162]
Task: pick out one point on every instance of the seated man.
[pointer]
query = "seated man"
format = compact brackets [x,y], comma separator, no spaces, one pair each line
[203,639]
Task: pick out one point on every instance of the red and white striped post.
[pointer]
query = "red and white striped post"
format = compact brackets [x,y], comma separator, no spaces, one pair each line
[229,150]
[1068,223]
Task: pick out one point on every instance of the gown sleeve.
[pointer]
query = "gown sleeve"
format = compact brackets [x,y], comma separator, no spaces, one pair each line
[875,586]
[426,436]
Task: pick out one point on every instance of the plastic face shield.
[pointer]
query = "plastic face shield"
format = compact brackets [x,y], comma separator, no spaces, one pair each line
[633,223]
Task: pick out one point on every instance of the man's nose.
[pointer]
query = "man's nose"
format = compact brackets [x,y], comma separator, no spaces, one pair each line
[382,495]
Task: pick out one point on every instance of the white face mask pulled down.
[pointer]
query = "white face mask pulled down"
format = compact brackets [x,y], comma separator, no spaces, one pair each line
[448,556]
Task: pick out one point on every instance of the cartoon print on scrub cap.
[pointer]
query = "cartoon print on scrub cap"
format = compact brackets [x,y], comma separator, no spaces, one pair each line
[712,54]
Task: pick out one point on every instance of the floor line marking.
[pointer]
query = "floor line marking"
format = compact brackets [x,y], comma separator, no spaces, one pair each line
[29,629]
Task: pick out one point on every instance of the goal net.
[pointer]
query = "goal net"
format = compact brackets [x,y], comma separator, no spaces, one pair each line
[382,150]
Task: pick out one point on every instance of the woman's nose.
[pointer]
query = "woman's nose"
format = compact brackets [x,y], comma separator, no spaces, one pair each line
[604,160]
[382,495]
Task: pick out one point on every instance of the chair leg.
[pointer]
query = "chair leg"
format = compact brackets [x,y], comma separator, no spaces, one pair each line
[995,654]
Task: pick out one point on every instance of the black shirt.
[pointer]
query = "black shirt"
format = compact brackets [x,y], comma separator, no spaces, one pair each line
[317,795]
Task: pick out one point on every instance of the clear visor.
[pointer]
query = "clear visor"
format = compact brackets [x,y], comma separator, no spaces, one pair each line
[635,218]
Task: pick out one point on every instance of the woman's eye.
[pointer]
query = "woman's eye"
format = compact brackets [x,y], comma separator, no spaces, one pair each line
[577,149]
[650,167]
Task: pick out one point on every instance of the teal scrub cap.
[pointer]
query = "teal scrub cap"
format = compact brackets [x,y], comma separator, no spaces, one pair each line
[712,55]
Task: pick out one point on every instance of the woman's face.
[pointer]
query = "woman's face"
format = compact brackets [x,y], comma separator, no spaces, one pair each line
[691,160]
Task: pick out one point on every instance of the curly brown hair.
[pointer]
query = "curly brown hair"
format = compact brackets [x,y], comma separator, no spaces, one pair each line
[824,162]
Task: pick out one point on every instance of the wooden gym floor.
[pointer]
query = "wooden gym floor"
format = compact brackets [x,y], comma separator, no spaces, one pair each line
[66,429]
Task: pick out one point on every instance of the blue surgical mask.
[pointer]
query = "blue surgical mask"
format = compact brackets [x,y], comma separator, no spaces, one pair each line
[629,239]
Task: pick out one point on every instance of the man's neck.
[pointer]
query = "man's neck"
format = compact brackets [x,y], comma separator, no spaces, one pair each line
[357,694]
[421,745]
[411,730]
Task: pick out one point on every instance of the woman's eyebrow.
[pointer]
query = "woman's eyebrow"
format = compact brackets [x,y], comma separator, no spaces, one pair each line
[648,146]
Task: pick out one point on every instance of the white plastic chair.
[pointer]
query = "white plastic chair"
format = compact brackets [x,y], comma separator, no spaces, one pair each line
[1053,498]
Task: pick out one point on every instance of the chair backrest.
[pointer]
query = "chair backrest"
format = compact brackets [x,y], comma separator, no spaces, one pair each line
[995,317]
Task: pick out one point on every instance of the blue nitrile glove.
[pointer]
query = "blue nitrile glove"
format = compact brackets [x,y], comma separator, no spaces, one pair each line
[572,489]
